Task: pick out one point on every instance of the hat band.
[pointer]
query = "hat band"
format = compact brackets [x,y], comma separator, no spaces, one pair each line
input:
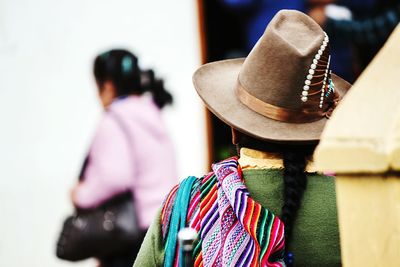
[275,112]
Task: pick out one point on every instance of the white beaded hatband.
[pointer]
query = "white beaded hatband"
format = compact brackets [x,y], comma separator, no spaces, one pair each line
[312,71]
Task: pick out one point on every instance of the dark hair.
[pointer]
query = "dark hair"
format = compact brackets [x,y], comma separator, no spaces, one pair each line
[295,158]
[121,68]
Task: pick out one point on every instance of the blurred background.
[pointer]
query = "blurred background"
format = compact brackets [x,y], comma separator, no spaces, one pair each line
[50,108]
[49,103]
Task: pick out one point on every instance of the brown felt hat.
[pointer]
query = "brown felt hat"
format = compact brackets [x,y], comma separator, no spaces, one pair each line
[283,91]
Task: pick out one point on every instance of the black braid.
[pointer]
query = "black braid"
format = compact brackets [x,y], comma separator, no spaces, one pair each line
[295,182]
[295,158]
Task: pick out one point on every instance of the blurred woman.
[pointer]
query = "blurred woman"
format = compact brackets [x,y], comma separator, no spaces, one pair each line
[130,139]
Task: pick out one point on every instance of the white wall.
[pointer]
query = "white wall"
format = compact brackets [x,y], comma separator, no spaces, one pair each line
[49,109]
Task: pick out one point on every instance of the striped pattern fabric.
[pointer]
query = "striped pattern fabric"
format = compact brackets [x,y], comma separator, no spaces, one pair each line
[234,230]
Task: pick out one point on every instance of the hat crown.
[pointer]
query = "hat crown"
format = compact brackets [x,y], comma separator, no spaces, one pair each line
[283,91]
[277,67]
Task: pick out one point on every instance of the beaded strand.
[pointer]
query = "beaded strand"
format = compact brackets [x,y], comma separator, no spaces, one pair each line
[313,69]
[321,102]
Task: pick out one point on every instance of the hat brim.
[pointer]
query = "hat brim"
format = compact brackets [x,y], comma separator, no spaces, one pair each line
[215,83]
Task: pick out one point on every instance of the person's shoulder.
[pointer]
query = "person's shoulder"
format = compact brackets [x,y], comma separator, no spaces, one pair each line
[322,183]
[136,108]
[193,182]
[193,187]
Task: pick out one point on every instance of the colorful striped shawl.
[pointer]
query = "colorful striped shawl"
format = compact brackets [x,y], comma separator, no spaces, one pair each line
[234,230]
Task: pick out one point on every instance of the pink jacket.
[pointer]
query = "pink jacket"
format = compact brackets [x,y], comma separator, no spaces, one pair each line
[144,164]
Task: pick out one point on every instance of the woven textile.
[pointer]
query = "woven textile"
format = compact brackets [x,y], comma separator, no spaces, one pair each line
[234,230]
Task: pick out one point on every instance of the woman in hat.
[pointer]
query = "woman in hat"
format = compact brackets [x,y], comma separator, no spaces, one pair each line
[131,136]
[269,207]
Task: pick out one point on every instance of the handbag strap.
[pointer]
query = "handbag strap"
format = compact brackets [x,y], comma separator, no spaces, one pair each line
[178,220]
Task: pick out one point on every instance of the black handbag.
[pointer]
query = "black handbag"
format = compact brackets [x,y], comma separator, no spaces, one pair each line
[108,230]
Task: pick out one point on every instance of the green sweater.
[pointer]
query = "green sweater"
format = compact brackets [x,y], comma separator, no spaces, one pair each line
[315,236]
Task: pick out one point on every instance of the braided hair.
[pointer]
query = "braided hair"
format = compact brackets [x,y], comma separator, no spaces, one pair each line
[295,159]
[121,68]
[295,183]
